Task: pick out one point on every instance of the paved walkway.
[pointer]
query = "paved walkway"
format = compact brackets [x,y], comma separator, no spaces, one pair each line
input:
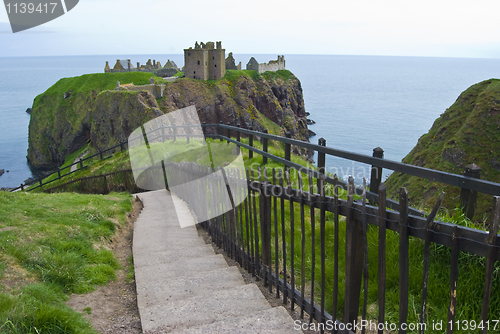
[184,287]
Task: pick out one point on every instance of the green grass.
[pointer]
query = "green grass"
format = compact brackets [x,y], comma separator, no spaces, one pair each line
[283,74]
[232,75]
[51,246]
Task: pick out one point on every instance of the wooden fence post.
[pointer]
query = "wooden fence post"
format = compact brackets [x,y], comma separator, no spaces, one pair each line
[59,173]
[354,255]
[321,159]
[376,175]
[264,147]
[468,197]
[250,143]
[22,187]
[121,145]
[81,161]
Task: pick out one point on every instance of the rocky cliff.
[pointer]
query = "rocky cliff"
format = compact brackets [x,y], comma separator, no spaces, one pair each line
[89,107]
[467,132]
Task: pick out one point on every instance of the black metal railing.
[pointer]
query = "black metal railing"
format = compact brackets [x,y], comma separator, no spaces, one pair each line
[263,239]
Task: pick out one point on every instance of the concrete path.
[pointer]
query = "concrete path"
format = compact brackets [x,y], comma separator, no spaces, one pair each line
[184,287]
[75,167]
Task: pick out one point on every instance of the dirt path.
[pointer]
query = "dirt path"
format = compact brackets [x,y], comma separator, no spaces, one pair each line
[74,167]
[113,308]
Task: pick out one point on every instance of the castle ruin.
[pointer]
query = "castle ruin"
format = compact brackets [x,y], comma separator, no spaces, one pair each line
[125,65]
[205,61]
[273,65]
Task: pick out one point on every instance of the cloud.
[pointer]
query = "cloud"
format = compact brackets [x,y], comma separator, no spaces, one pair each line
[392,27]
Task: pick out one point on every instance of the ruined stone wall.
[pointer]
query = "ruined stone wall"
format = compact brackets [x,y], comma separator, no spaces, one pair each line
[154,89]
[205,61]
[217,61]
[273,65]
[196,64]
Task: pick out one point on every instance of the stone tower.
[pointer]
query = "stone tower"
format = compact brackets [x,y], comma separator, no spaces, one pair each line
[205,61]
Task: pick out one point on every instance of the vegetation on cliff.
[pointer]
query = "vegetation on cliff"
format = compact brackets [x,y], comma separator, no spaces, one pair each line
[468,132]
[76,110]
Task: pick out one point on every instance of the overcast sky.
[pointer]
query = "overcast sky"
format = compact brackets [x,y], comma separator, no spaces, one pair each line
[444,28]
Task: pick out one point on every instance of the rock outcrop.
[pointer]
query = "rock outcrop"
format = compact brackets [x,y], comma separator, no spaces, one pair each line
[468,132]
[106,116]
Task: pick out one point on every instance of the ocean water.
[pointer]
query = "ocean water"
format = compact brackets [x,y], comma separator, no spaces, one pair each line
[358,102]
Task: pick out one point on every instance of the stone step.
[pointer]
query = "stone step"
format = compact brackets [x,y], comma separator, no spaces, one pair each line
[195,311]
[179,268]
[157,232]
[196,285]
[145,259]
[275,321]
[174,245]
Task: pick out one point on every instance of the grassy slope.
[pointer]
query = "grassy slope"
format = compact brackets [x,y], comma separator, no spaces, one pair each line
[53,245]
[468,132]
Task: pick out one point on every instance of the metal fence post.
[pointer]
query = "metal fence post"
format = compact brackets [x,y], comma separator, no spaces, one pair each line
[288,150]
[59,173]
[321,160]
[250,143]
[220,130]
[228,132]
[264,147]
[376,176]
[265,227]
[238,136]
[204,129]
[81,161]
[468,197]
[354,259]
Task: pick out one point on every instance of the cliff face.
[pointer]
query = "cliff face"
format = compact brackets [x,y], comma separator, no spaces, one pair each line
[60,124]
[468,132]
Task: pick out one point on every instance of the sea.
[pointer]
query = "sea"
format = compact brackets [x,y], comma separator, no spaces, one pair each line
[358,103]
